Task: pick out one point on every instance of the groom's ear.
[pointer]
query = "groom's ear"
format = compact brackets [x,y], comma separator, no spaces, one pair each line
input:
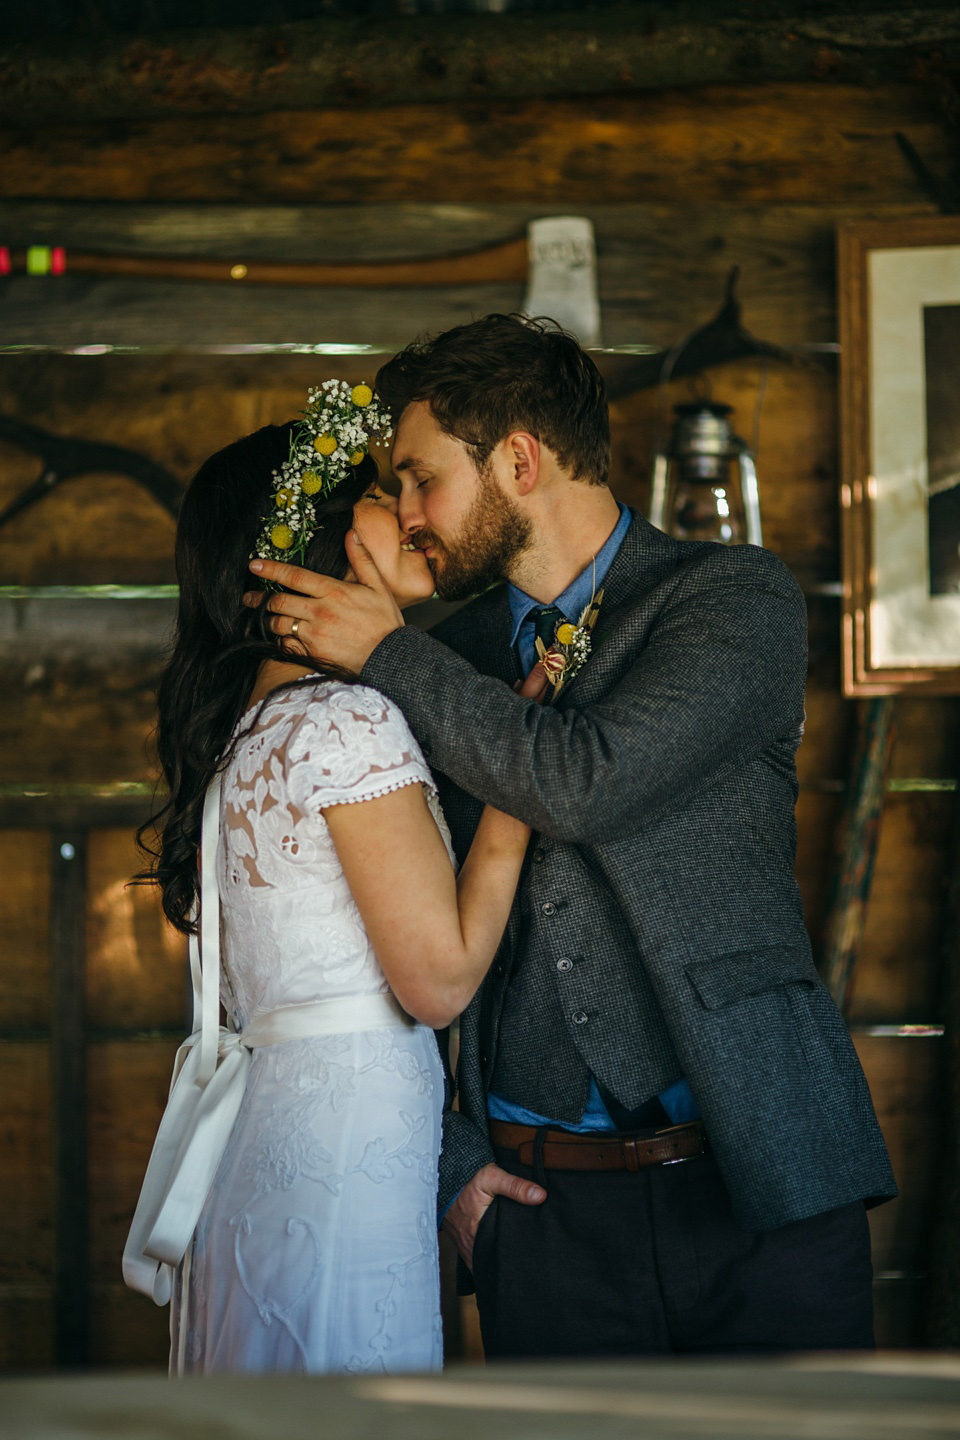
[523,450]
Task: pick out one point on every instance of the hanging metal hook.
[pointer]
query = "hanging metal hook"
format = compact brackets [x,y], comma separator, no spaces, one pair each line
[66,458]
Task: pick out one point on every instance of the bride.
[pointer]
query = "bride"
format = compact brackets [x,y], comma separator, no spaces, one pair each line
[304,1238]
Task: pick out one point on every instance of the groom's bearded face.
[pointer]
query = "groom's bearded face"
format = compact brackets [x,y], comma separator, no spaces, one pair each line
[482,550]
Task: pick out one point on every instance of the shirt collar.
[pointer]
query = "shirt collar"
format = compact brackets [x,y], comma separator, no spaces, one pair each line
[578,594]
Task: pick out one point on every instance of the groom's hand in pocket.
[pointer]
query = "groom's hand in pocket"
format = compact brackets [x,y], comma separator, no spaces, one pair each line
[463,1218]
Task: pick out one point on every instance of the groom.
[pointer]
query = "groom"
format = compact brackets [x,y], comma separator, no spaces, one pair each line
[664,1140]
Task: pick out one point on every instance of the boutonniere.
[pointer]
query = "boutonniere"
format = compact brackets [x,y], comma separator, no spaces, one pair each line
[570,648]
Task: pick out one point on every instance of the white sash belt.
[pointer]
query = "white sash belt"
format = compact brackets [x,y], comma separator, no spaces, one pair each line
[209,1078]
[197,1122]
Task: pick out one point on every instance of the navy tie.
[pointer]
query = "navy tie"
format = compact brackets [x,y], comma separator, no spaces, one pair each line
[545,622]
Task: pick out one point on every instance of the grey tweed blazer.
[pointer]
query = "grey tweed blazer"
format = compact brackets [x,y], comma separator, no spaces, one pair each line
[661,790]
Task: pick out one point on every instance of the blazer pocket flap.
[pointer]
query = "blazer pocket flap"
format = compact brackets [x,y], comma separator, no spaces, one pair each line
[724,979]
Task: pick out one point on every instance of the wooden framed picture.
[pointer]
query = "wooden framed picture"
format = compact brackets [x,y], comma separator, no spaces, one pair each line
[899,304]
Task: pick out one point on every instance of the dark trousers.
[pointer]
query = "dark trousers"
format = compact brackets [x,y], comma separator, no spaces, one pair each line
[654,1263]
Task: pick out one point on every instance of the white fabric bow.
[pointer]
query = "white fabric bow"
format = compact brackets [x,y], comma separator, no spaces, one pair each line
[190,1142]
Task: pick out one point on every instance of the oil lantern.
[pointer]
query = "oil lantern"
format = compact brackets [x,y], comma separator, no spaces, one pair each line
[705,482]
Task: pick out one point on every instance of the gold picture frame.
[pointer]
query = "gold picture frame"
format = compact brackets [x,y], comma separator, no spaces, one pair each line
[899,320]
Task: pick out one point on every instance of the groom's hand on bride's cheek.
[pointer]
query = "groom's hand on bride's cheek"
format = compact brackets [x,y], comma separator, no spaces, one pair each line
[337,622]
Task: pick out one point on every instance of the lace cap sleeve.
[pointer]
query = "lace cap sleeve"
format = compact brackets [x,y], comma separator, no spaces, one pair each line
[352,744]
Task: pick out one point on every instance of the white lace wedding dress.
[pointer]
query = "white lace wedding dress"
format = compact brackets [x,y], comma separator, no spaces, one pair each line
[317,1248]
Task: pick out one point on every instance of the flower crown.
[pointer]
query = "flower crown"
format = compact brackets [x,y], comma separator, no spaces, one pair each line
[331,440]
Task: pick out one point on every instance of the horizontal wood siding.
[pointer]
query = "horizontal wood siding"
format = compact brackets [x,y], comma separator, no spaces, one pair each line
[792,144]
[680,186]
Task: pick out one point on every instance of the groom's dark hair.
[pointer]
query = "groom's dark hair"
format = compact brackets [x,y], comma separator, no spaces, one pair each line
[505,373]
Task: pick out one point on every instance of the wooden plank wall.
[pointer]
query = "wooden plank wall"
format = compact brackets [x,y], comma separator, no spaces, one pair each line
[680,186]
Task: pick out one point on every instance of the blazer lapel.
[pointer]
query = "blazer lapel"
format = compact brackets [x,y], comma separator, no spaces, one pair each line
[645,555]
[643,559]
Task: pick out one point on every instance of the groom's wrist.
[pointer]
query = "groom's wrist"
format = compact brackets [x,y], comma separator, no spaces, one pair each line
[445,1210]
[390,665]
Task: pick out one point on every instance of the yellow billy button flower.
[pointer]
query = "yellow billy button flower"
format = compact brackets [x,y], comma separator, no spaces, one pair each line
[325,444]
[565,633]
[283,498]
[310,482]
[357,456]
[361,395]
[281,536]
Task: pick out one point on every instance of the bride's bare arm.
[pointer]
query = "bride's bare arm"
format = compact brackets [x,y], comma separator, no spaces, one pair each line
[434,933]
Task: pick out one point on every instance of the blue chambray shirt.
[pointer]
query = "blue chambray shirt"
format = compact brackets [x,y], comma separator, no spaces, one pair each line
[678,1100]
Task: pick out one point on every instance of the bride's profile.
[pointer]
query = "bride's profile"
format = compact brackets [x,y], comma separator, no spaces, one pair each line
[288,1212]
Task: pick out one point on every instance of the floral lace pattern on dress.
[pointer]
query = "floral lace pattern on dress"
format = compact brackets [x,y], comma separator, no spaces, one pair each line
[316,1249]
[280,877]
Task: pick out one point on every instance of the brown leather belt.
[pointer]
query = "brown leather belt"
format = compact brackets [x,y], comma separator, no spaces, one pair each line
[563,1150]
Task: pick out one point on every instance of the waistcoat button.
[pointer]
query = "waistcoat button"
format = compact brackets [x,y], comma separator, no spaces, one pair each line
[548,908]
[539,855]
[565,964]
[579,1017]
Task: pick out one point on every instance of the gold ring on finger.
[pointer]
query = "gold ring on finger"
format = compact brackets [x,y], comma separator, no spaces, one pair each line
[296,627]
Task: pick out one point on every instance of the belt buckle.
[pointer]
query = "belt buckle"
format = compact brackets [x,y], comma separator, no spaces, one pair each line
[687,1125]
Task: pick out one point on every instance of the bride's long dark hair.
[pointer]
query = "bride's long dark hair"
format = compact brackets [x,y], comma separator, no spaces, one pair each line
[219,643]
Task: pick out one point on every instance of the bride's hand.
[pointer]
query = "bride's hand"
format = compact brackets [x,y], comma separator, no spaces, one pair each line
[535,686]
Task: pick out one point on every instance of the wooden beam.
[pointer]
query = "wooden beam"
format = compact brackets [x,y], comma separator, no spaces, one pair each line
[942,1320]
[770,144]
[353,63]
[857,849]
[73,807]
[68,1074]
